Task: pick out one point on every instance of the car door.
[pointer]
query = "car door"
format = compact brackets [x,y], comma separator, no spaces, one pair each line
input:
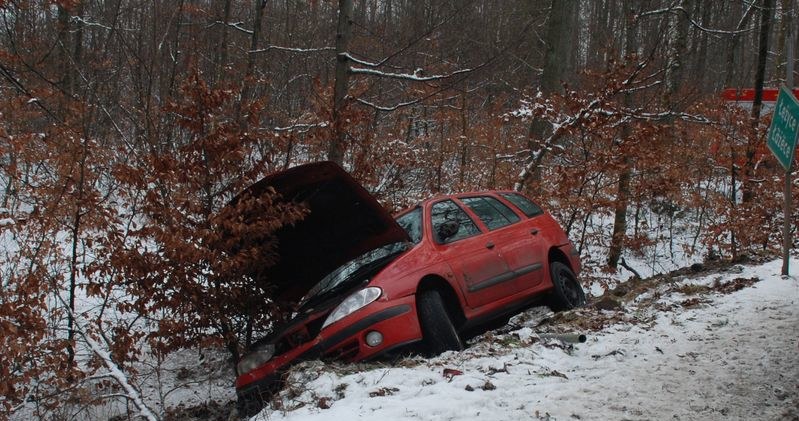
[515,239]
[473,258]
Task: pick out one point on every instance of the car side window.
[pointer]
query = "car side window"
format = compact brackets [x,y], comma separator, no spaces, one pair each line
[524,204]
[446,211]
[491,211]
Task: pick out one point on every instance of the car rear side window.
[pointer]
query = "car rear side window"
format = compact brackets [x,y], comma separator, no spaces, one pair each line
[491,211]
[447,210]
[524,204]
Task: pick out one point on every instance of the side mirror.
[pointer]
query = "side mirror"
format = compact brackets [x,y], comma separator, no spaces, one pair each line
[447,229]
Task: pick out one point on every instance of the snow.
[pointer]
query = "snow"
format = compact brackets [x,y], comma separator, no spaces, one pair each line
[291,49]
[416,76]
[732,356]
[356,60]
[131,392]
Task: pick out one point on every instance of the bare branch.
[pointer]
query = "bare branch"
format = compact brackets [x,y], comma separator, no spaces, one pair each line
[696,24]
[692,118]
[235,25]
[641,87]
[362,62]
[113,369]
[560,129]
[291,49]
[416,76]
[387,109]
[84,22]
[300,127]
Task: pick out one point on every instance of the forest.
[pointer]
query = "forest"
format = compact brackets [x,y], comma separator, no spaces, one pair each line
[126,127]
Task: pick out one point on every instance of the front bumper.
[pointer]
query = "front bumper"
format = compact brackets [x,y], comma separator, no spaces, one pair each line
[252,397]
[395,319]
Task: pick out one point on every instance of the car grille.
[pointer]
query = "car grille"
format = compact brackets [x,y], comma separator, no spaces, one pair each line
[347,352]
[300,335]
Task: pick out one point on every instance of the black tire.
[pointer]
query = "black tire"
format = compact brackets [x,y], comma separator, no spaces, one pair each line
[567,293]
[248,407]
[437,329]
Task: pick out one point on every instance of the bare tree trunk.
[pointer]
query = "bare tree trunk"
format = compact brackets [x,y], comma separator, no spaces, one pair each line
[560,48]
[72,51]
[221,58]
[260,5]
[620,211]
[702,49]
[760,74]
[335,152]
[558,63]
[782,33]
[623,187]
[77,53]
[733,197]
[65,50]
[73,267]
[439,170]
[734,38]
[464,153]
[676,35]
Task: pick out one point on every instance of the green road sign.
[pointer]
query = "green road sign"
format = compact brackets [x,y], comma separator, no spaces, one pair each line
[784,127]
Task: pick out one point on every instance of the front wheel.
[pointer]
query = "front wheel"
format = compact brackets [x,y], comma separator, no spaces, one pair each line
[567,292]
[437,328]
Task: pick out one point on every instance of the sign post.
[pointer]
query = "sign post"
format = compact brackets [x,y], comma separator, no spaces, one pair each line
[782,138]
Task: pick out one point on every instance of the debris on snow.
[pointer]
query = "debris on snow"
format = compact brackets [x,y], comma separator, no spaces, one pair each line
[659,358]
[488,385]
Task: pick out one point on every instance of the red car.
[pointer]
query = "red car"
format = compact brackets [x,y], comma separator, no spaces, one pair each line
[367,284]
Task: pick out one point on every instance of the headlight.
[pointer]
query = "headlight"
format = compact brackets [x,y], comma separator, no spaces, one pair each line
[256,359]
[352,304]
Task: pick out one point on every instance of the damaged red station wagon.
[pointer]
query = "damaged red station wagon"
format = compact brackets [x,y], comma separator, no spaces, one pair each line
[368,284]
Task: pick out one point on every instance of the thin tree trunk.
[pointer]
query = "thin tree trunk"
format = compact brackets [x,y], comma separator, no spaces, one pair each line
[72,56]
[760,74]
[75,240]
[733,197]
[77,53]
[65,50]
[558,63]
[701,59]
[676,35]
[620,212]
[464,158]
[335,151]
[439,160]
[260,5]
[623,187]
[733,46]
[221,59]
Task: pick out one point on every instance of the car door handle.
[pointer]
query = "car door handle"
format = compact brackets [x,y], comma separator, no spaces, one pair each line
[489,245]
[534,231]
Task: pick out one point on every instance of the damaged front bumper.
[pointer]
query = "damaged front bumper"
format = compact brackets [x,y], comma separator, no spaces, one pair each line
[394,320]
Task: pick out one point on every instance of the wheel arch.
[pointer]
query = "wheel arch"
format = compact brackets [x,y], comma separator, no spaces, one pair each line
[447,291]
[557,255]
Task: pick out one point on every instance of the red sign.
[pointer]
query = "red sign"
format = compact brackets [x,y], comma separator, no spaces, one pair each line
[748,94]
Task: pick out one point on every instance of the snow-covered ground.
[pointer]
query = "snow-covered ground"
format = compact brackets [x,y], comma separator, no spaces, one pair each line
[688,348]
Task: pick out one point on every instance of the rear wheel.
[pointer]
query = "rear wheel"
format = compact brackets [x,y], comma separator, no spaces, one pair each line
[437,327]
[567,293]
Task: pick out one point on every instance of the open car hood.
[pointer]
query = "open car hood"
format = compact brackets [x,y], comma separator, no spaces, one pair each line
[344,222]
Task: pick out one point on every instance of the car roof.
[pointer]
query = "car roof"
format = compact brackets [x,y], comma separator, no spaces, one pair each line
[438,197]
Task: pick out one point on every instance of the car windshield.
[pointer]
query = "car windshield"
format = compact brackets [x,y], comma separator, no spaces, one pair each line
[411,222]
[353,270]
